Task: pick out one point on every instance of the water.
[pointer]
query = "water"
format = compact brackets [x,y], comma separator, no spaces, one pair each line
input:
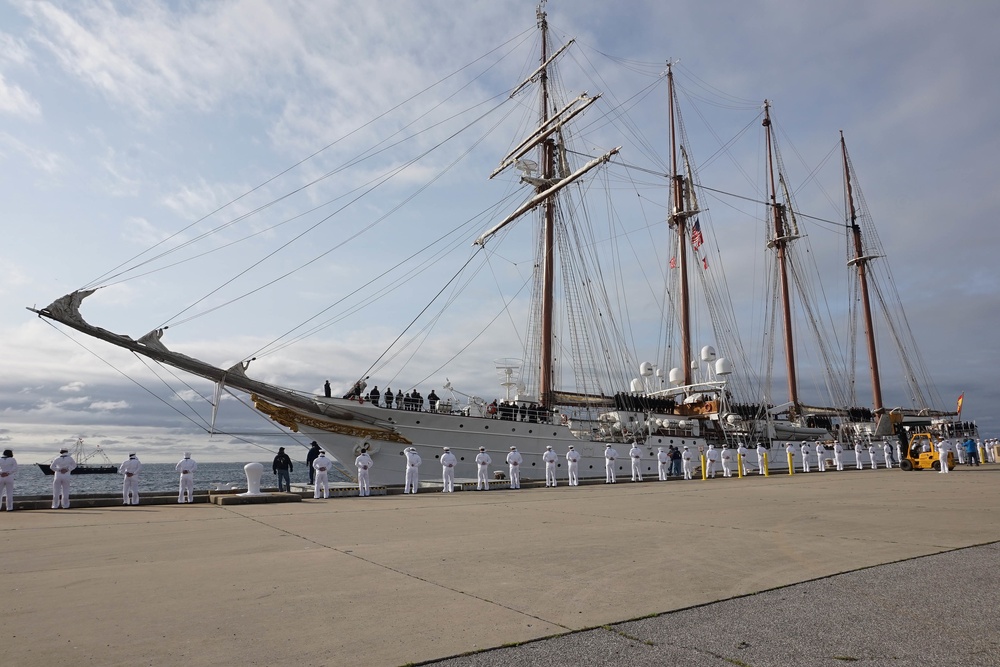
[154,478]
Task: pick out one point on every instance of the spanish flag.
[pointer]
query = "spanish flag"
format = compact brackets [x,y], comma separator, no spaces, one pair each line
[961,397]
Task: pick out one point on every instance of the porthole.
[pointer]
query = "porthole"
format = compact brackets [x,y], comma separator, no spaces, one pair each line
[461,425]
[486,428]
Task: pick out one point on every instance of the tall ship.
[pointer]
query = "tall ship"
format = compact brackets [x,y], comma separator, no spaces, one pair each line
[630,333]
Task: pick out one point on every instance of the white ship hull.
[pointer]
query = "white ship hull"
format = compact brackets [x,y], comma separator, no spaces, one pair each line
[389,432]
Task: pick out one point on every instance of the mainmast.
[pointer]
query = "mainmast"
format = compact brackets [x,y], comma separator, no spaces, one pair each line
[861,261]
[779,243]
[548,222]
[679,219]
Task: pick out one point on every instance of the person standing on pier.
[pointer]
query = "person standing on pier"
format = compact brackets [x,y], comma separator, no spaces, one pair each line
[130,468]
[448,463]
[887,452]
[662,461]
[62,467]
[186,467]
[322,467]
[838,455]
[871,455]
[364,463]
[8,472]
[412,478]
[727,462]
[573,466]
[688,467]
[635,454]
[857,455]
[326,389]
[282,467]
[550,458]
[820,456]
[711,456]
[514,460]
[610,454]
[804,450]
[310,457]
[483,462]
[761,458]
[741,459]
[675,461]
[943,448]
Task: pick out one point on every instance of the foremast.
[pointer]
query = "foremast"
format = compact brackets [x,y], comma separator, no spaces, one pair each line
[780,242]
[548,225]
[678,219]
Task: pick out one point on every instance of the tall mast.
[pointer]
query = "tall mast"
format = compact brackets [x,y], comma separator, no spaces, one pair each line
[548,221]
[779,242]
[861,261]
[679,220]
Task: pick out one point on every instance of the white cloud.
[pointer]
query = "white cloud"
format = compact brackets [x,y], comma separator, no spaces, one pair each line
[73,386]
[16,101]
[109,405]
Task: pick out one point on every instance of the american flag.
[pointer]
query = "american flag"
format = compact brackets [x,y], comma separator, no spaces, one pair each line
[696,238]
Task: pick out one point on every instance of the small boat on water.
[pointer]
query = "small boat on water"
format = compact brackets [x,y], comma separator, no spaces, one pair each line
[84,461]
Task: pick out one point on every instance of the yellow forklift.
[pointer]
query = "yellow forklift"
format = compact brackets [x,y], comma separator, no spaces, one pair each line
[920,454]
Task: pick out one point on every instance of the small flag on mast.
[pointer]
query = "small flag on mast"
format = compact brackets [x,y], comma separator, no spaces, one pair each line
[961,397]
[696,237]
[673,262]
[704,262]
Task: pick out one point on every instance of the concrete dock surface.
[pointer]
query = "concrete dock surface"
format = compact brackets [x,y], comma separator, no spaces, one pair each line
[401,579]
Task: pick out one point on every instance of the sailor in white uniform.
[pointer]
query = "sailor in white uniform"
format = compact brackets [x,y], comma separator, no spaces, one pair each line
[363,463]
[820,457]
[804,450]
[635,454]
[838,455]
[857,455]
[943,448]
[790,455]
[550,458]
[412,479]
[8,472]
[483,462]
[129,469]
[887,452]
[514,460]
[761,456]
[186,467]
[609,464]
[711,456]
[573,466]
[727,462]
[62,469]
[686,462]
[871,455]
[321,480]
[662,462]
[448,463]
[741,458]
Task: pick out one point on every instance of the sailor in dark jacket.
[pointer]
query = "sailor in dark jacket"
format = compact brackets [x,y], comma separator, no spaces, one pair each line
[310,457]
[282,466]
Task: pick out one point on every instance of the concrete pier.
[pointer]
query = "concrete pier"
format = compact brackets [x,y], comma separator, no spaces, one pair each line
[397,579]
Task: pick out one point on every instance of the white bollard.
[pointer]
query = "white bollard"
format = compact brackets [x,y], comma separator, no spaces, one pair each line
[254,472]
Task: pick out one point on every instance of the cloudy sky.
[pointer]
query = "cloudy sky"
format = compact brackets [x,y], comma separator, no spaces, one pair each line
[123,123]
